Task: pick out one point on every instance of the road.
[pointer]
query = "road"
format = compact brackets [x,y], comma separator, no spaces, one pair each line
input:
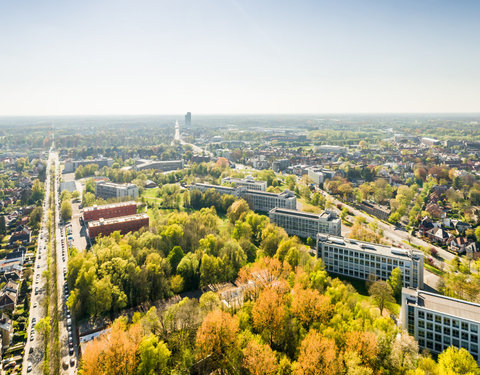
[68,339]
[34,350]
[79,232]
[195,148]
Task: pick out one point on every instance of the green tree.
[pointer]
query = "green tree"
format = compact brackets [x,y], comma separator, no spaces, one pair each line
[3,229]
[66,211]
[381,294]
[154,355]
[35,216]
[175,256]
[457,361]
[395,282]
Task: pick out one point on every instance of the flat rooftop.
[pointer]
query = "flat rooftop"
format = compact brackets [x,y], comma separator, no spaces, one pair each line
[108,206]
[286,194]
[445,305]
[368,247]
[213,186]
[244,180]
[115,220]
[286,211]
[114,185]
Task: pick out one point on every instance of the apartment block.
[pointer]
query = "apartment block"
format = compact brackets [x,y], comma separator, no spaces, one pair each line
[236,191]
[71,166]
[108,211]
[162,165]
[438,322]
[360,259]
[108,190]
[306,224]
[264,201]
[249,183]
[124,224]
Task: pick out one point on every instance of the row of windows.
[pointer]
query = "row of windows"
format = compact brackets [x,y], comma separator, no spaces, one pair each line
[361,255]
[447,332]
[455,323]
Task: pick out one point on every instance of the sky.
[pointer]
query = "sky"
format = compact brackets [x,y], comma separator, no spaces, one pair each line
[105,57]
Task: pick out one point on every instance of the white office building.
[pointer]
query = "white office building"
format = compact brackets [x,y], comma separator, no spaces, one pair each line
[249,183]
[319,175]
[264,201]
[306,224]
[360,259]
[438,322]
[108,190]
[219,188]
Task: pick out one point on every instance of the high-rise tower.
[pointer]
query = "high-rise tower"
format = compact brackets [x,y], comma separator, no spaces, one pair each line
[188,119]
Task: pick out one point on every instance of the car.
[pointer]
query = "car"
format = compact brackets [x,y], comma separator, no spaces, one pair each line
[29,367]
[38,265]
[32,337]
[34,320]
[70,351]
[35,305]
[30,351]
[70,345]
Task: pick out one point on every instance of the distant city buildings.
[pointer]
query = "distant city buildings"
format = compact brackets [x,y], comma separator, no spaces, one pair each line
[108,190]
[280,165]
[438,322]
[306,224]
[188,119]
[360,260]
[324,149]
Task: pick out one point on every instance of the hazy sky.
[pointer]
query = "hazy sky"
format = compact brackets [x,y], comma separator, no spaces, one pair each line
[238,56]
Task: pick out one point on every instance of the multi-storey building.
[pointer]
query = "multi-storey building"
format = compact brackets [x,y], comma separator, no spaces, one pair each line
[360,260]
[108,211]
[264,201]
[71,166]
[319,175]
[438,322]
[249,183]
[124,224]
[306,224]
[162,165]
[108,190]
[236,191]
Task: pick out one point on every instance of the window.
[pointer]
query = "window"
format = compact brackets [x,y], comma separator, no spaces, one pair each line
[421,314]
[465,326]
[421,324]
[430,316]
[464,336]
[421,333]
[455,323]
[438,319]
[430,326]
[438,337]
[438,328]
[446,321]
[455,333]
[446,331]
[456,343]
[473,338]
[474,328]
[446,340]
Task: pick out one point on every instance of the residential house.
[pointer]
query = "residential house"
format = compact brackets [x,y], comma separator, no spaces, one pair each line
[458,244]
[439,235]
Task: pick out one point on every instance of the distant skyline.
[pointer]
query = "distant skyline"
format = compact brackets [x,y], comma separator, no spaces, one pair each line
[239,57]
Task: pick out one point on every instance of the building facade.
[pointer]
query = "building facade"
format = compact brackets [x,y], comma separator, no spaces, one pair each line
[219,188]
[248,182]
[438,322]
[162,165]
[264,201]
[124,224]
[72,165]
[108,190]
[360,259]
[306,224]
[108,211]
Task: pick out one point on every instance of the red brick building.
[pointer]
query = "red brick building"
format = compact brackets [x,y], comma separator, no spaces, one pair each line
[108,211]
[124,224]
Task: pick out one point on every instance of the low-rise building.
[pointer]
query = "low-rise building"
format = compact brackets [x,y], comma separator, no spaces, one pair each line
[71,166]
[108,211]
[108,190]
[163,165]
[248,182]
[280,165]
[306,224]
[380,212]
[438,322]
[219,188]
[360,260]
[124,224]
[264,201]
[319,175]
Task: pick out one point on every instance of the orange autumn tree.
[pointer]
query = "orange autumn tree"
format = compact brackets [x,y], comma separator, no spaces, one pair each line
[114,352]
[259,359]
[318,355]
[217,339]
[269,312]
[365,344]
[310,306]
